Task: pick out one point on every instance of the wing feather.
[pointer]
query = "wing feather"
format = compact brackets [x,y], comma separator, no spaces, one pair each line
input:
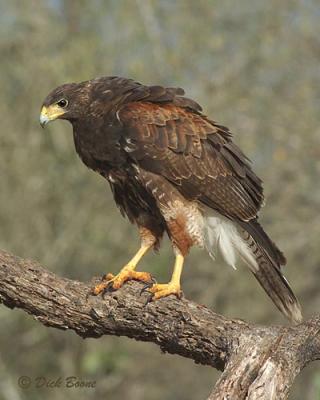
[192,152]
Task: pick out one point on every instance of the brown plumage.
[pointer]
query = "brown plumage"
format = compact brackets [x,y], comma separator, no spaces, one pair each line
[171,169]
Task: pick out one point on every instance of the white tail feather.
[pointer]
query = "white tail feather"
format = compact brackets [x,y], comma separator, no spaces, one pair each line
[232,241]
[223,234]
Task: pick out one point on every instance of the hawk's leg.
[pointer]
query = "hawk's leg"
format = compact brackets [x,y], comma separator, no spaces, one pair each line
[173,287]
[184,225]
[128,272]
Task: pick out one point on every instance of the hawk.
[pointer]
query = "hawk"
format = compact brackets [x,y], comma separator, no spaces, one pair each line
[171,169]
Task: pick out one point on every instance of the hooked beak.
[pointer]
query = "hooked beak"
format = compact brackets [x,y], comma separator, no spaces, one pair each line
[49,114]
[44,119]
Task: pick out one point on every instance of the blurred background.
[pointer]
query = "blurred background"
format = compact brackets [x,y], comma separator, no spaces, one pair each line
[254,66]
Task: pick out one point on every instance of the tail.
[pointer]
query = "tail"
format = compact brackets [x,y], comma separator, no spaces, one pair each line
[249,241]
[267,271]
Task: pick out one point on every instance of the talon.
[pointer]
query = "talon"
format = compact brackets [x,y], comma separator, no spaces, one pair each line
[108,289]
[180,295]
[110,281]
[145,288]
[103,286]
[148,285]
[149,300]
[164,290]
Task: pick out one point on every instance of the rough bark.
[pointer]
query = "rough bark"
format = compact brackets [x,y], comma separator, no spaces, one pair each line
[258,362]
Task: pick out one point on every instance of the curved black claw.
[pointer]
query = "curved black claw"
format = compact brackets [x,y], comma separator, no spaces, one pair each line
[180,295]
[149,300]
[148,285]
[107,289]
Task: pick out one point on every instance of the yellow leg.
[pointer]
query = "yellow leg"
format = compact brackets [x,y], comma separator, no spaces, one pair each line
[173,287]
[127,273]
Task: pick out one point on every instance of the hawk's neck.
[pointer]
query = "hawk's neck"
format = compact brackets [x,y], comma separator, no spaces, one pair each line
[97,144]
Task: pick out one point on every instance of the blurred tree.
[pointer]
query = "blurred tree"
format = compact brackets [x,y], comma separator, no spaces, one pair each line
[253,66]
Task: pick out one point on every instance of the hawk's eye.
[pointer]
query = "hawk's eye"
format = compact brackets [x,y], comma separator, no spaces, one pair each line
[62,103]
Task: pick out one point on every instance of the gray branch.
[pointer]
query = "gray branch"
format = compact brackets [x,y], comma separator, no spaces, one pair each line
[258,362]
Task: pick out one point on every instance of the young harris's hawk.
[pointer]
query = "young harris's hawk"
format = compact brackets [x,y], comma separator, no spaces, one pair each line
[171,169]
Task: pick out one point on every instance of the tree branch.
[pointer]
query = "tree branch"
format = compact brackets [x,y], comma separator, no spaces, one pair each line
[258,362]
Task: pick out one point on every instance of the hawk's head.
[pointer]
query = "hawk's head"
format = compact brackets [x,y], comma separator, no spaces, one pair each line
[93,98]
[68,101]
